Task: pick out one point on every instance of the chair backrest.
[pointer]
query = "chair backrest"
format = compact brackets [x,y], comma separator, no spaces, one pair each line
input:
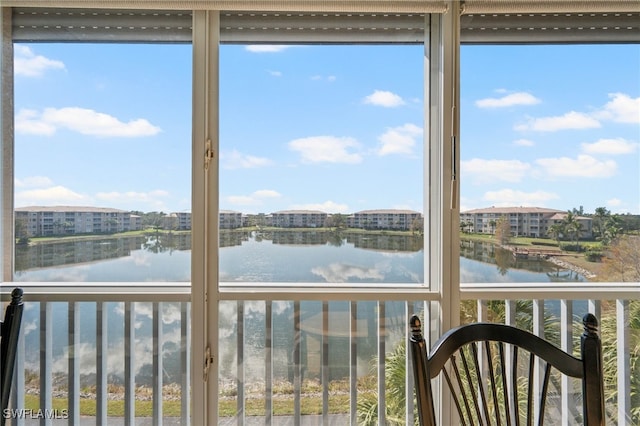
[10,331]
[499,374]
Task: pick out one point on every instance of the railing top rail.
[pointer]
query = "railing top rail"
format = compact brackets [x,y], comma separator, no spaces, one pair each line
[557,291]
[101,291]
[181,291]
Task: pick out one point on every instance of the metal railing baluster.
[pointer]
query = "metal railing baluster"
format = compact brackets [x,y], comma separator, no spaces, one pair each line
[325,363]
[623,361]
[382,334]
[185,363]
[268,363]
[102,351]
[129,364]
[353,361]
[73,375]
[567,402]
[157,341]
[46,359]
[297,365]
[240,379]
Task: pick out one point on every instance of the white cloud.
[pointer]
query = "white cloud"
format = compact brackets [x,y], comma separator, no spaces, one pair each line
[570,120]
[81,120]
[617,146]
[33,182]
[266,48]
[116,197]
[614,202]
[621,108]
[329,78]
[54,195]
[254,199]
[341,272]
[28,64]
[399,140]
[510,197]
[584,166]
[523,142]
[29,122]
[519,98]
[384,98]
[479,170]
[327,206]
[266,193]
[237,160]
[275,73]
[326,149]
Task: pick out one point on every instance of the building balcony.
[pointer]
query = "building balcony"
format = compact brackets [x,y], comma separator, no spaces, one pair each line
[102,353]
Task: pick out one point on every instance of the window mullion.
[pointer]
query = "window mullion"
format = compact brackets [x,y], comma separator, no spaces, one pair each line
[7,138]
[204,290]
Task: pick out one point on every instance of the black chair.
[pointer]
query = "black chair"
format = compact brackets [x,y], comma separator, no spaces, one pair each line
[473,357]
[9,334]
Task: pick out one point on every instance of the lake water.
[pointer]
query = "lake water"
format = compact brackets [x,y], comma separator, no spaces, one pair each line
[283,256]
[314,257]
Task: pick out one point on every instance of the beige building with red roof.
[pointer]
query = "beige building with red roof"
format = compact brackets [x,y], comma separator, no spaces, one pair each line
[524,221]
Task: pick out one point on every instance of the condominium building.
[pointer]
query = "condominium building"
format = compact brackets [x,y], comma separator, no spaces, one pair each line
[230,219]
[524,221]
[401,220]
[183,220]
[299,219]
[40,221]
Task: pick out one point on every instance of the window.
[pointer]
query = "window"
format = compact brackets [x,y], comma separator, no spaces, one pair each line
[542,143]
[243,158]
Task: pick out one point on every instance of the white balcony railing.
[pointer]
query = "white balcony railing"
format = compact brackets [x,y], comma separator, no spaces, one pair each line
[71,330]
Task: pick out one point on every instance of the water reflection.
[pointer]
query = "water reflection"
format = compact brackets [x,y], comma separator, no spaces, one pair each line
[507,263]
[267,256]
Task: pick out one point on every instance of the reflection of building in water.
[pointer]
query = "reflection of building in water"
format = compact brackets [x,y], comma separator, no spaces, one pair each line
[401,220]
[408,243]
[60,253]
[231,239]
[74,252]
[299,238]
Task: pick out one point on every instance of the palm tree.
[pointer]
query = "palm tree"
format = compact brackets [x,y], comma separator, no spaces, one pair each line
[395,398]
[601,213]
[556,231]
[572,226]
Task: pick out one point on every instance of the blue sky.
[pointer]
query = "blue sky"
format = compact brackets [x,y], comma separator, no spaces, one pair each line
[333,128]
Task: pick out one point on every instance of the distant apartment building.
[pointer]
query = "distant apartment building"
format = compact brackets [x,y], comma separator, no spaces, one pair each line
[181,221]
[229,219]
[299,219]
[41,221]
[523,221]
[135,222]
[391,219]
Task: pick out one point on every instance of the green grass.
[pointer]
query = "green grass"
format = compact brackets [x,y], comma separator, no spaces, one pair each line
[114,408]
[254,404]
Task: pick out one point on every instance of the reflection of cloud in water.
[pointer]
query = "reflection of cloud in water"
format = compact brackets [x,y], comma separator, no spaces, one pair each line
[278,308]
[61,274]
[395,254]
[468,275]
[29,327]
[138,258]
[341,272]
